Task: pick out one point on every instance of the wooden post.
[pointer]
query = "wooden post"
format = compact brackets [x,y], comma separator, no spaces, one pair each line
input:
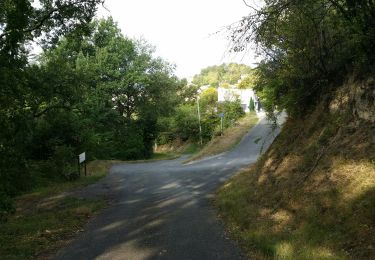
[79,168]
[221,119]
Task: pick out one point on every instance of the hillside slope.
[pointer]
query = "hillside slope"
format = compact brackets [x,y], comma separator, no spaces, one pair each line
[312,195]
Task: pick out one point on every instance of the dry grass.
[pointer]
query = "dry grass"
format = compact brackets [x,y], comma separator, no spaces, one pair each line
[311,196]
[177,146]
[100,167]
[231,137]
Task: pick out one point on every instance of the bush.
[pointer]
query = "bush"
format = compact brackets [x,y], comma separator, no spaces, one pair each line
[64,161]
[184,124]
[232,112]
[187,125]
[6,207]
[14,175]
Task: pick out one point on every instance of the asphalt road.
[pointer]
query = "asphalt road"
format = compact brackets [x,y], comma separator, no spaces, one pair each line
[163,209]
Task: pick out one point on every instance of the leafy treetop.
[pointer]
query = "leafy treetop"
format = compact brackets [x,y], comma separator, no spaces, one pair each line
[223,74]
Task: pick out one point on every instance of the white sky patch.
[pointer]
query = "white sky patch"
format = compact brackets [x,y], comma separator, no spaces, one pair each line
[184,32]
[36,4]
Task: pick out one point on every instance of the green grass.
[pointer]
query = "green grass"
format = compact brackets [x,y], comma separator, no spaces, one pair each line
[47,218]
[164,156]
[40,228]
[63,186]
[192,149]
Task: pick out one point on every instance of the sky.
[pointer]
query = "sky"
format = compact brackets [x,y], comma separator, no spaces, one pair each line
[184,32]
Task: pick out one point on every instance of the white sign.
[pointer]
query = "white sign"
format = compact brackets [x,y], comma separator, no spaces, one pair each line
[82,157]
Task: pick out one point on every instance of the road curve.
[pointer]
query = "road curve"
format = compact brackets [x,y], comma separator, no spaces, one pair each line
[162,210]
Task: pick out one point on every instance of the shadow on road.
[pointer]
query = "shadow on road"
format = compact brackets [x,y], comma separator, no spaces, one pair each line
[163,210]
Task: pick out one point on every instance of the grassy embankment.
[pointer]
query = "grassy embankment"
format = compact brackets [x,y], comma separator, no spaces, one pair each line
[312,195]
[231,137]
[46,219]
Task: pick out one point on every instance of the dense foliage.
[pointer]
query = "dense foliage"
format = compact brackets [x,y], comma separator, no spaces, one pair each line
[23,95]
[92,89]
[184,122]
[113,98]
[308,47]
[224,75]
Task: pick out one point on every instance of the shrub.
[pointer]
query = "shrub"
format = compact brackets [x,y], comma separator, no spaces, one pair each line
[63,163]
[6,206]
[232,112]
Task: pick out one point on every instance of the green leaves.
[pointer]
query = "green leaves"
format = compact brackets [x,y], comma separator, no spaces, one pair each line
[216,76]
[122,90]
[307,47]
[92,90]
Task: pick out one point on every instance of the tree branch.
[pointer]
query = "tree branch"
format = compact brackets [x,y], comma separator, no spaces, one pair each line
[46,17]
[51,108]
[252,7]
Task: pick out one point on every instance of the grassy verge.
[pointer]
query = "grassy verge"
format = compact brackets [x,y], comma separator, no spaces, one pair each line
[100,168]
[37,230]
[192,148]
[47,218]
[164,156]
[311,196]
[231,137]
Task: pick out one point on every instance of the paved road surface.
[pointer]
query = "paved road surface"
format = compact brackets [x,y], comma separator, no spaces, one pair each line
[163,210]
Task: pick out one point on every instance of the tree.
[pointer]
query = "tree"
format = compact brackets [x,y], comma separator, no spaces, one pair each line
[184,124]
[232,112]
[208,98]
[99,93]
[133,84]
[248,82]
[225,74]
[251,104]
[308,46]
[25,95]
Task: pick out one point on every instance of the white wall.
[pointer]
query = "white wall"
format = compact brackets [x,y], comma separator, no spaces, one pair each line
[225,94]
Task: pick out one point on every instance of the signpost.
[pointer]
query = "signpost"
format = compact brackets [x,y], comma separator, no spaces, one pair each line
[221,115]
[81,159]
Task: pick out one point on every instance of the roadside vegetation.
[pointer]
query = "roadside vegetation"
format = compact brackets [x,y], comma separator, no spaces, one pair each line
[311,195]
[230,138]
[42,225]
[47,218]
[183,126]
[91,89]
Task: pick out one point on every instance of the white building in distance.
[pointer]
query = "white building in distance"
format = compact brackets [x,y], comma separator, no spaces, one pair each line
[244,95]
